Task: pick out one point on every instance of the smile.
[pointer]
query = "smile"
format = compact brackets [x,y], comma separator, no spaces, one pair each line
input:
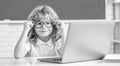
[43,31]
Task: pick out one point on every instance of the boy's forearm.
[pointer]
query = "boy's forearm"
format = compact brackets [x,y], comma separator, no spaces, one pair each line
[20,49]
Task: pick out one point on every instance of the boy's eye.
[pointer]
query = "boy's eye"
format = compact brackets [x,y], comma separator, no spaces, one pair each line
[40,23]
[48,23]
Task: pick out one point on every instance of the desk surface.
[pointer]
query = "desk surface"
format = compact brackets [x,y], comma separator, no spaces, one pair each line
[7,61]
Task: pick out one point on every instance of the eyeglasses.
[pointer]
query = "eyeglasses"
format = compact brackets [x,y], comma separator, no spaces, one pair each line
[48,24]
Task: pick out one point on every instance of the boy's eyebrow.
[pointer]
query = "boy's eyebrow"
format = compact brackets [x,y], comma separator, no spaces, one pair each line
[37,20]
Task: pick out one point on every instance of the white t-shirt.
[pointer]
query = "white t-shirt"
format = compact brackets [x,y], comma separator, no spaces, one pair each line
[44,49]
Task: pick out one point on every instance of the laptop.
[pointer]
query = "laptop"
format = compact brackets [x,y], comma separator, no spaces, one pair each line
[86,40]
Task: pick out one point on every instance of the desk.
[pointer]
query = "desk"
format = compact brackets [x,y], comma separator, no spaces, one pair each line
[8,61]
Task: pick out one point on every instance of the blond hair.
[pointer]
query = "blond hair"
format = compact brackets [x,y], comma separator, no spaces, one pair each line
[43,8]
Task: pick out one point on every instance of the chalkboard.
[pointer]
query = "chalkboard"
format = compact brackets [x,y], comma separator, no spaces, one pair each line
[66,9]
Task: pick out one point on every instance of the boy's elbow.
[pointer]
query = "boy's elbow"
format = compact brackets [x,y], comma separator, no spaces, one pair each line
[18,56]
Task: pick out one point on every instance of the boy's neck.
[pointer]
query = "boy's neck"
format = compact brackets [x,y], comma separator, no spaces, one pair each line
[44,39]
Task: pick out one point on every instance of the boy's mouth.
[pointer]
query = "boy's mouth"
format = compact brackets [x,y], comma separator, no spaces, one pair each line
[43,31]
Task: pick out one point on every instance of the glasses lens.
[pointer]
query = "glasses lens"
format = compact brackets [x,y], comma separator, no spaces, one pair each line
[38,24]
[48,24]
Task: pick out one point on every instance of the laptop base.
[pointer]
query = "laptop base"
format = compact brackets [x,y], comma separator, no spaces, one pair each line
[52,60]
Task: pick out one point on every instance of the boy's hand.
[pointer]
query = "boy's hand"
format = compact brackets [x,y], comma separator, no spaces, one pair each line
[28,25]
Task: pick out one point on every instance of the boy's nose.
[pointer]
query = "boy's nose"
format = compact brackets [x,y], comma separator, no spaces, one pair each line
[44,27]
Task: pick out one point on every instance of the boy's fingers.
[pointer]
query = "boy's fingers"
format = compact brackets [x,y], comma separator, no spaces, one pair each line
[31,24]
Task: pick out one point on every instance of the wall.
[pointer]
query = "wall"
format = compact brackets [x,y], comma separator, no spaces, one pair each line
[9,35]
[66,9]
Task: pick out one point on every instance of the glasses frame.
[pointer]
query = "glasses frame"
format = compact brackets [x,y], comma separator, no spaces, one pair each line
[37,24]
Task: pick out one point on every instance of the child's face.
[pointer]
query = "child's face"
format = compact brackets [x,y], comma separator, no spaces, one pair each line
[43,28]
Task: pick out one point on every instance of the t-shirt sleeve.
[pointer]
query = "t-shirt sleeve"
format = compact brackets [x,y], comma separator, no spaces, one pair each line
[58,47]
